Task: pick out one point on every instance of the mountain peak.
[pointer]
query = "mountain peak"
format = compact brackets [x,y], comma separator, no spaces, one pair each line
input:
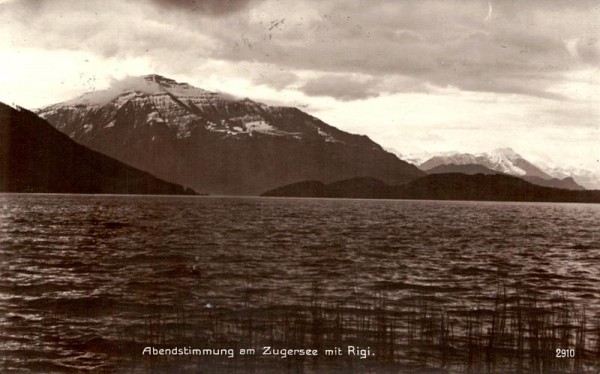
[507,151]
[159,79]
[169,84]
[152,84]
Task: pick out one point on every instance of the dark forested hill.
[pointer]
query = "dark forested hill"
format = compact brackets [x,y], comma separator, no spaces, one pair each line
[35,157]
[449,186]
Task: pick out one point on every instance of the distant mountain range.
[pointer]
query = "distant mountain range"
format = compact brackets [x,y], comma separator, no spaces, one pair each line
[451,186]
[216,143]
[507,161]
[504,160]
[35,157]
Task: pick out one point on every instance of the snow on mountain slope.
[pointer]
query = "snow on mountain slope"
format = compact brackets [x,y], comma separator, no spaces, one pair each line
[505,160]
[180,106]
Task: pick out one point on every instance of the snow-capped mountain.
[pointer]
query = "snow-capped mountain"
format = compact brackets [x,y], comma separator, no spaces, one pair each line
[504,160]
[216,143]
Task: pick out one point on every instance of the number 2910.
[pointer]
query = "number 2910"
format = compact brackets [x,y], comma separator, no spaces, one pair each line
[565,353]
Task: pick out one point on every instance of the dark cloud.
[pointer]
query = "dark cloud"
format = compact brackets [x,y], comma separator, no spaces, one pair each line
[521,47]
[341,88]
[212,7]
[209,7]
[518,47]
[588,48]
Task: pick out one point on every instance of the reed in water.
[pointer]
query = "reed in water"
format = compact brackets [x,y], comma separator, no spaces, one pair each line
[513,331]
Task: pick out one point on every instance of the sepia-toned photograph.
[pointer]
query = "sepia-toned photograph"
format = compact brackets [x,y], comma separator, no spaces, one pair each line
[300,186]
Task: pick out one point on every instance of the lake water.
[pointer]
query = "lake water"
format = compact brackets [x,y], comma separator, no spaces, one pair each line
[89,281]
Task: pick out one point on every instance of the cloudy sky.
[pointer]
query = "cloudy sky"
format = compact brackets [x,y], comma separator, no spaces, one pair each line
[415,75]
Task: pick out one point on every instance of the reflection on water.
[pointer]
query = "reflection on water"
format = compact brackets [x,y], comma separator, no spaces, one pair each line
[83,274]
